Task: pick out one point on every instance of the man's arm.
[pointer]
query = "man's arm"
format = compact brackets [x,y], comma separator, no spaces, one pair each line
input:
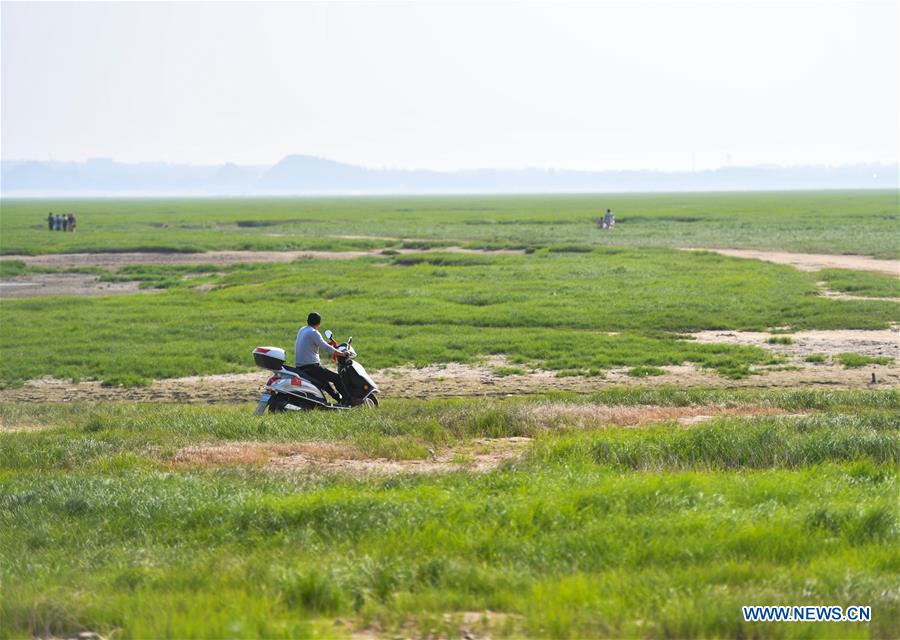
[320,342]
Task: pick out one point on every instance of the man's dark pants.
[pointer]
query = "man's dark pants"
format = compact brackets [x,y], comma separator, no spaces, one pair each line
[324,377]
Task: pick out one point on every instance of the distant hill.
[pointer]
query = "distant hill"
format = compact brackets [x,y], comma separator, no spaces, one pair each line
[308,175]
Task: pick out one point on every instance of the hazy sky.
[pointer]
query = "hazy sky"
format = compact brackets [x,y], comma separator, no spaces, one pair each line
[444,86]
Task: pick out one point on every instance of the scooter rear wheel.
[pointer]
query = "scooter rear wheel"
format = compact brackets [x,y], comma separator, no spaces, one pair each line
[278,404]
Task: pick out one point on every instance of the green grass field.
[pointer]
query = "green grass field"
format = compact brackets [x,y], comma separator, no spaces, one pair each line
[861,222]
[654,532]
[128,520]
[550,309]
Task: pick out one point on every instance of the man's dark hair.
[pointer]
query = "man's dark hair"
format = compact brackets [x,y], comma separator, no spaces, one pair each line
[313,319]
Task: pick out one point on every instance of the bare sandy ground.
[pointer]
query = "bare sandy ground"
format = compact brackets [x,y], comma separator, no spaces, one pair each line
[478,455]
[801,261]
[64,284]
[813,261]
[825,292]
[115,260]
[882,342]
[455,379]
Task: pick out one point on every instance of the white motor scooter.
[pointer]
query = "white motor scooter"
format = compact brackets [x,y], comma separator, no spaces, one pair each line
[289,389]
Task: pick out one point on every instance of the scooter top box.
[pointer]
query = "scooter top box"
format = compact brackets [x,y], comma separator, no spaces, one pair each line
[271,358]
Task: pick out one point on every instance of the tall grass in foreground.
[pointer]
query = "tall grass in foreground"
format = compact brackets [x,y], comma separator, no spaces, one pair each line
[598,531]
[734,444]
[562,551]
[80,435]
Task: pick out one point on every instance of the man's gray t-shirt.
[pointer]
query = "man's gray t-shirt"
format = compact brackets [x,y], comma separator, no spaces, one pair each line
[306,349]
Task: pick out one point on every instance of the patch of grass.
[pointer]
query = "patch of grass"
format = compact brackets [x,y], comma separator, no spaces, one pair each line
[11,268]
[643,372]
[509,371]
[861,283]
[125,380]
[779,340]
[855,360]
[735,443]
[442,260]
[152,276]
[570,248]
[792,399]
[575,373]
[816,358]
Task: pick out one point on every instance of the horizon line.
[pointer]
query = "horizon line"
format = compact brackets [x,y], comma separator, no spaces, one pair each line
[764,165]
[429,194]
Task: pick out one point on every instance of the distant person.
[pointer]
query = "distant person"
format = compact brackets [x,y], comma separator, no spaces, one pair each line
[608,219]
[71,222]
[57,223]
[65,222]
[50,221]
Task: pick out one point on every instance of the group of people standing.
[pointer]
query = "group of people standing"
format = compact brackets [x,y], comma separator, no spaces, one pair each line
[61,222]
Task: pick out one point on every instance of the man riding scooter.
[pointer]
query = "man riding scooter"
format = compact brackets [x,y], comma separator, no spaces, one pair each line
[306,357]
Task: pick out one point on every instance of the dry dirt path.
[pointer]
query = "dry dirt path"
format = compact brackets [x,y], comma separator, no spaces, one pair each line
[114,260]
[64,284]
[812,261]
[801,261]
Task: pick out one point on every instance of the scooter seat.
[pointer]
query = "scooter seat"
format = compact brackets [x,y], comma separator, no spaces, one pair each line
[300,373]
[316,383]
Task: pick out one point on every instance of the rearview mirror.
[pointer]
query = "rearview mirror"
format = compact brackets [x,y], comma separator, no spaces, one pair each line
[329,334]
[349,340]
